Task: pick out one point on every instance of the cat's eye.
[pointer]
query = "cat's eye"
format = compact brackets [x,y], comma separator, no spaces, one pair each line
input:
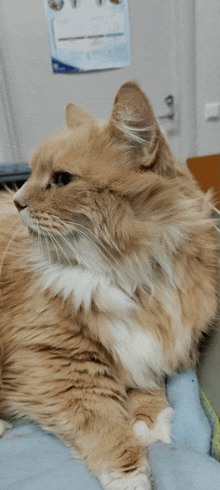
[63,178]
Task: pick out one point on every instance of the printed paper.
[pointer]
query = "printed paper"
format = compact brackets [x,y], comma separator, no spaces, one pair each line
[88,34]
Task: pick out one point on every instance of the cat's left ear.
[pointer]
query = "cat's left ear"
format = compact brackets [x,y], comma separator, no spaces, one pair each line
[75,116]
[133,120]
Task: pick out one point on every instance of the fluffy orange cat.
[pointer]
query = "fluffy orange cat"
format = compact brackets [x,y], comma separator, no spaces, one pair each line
[106,287]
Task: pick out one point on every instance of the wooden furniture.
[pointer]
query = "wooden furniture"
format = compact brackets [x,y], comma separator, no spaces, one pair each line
[207,171]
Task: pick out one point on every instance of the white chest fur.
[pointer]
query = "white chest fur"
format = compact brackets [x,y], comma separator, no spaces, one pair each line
[138,351]
[84,286]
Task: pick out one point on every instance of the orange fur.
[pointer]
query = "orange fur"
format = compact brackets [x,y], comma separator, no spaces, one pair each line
[136,230]
[146,406]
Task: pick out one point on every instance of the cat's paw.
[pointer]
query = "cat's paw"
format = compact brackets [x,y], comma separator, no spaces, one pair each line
[74,453]
[134,481]
[4,427]
[161,431]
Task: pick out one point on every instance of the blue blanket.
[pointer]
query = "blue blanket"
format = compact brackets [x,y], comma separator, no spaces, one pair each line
[33,460]
[186,464]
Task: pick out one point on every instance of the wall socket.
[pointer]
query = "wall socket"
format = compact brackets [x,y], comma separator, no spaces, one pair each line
[212,111]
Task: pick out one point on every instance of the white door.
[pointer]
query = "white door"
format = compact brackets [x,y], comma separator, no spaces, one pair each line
[34,98]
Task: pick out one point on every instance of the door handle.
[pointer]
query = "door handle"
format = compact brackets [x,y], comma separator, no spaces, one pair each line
[169,101]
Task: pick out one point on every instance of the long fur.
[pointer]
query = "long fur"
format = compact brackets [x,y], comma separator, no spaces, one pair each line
[107,284]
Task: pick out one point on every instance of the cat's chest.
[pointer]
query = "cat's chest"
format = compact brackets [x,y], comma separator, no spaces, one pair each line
[138,351]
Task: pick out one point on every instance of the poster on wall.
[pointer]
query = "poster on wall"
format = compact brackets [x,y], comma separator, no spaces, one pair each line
[87,35]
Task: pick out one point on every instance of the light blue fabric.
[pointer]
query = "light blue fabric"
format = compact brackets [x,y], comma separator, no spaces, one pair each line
[33,460]
[176,468]
[30,459]
[186,464]
[190,426]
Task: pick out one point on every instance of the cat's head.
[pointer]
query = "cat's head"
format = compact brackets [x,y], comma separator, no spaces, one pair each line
[103,182]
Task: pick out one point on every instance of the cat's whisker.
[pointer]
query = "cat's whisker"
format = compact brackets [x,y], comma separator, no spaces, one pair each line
[65,239]
[105,255]
[48,248]
[76,225]
[74,249]
[8,246]
[80,257]
[39,236]
[73,229]
[102,245]
[106,232]
[102,253]
[69,244]
[54,244]
[63,252]
[114,264]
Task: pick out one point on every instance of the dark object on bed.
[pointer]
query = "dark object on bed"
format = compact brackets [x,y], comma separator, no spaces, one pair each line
[14,172]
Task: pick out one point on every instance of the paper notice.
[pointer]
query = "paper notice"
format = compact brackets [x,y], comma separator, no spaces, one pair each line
[88,34]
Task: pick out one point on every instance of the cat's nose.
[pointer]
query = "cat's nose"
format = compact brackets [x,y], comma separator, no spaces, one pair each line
[18,205]
[20,200]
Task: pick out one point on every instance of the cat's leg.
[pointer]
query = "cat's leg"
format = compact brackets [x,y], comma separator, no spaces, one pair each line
[87,411]
[151,416]
[4,427]
[129,468]
[112,452]
[102,436]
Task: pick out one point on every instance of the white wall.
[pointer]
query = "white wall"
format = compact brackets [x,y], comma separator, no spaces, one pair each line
[207,73]
[166,39]
[38,97]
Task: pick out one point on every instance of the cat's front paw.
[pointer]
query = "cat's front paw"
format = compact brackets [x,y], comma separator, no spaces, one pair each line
[74,453]
[134,481]
[161,431]
[4,427]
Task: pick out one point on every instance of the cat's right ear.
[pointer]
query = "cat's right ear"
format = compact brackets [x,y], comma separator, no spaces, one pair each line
[75,116]
[133,119]
[133,123]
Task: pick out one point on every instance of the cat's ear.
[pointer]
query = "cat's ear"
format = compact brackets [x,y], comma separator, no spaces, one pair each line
[133,120]
[75,116]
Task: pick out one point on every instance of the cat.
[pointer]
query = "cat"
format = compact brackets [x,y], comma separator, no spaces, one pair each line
[107,285]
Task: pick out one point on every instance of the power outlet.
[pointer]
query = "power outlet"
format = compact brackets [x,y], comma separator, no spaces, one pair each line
[212,111]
